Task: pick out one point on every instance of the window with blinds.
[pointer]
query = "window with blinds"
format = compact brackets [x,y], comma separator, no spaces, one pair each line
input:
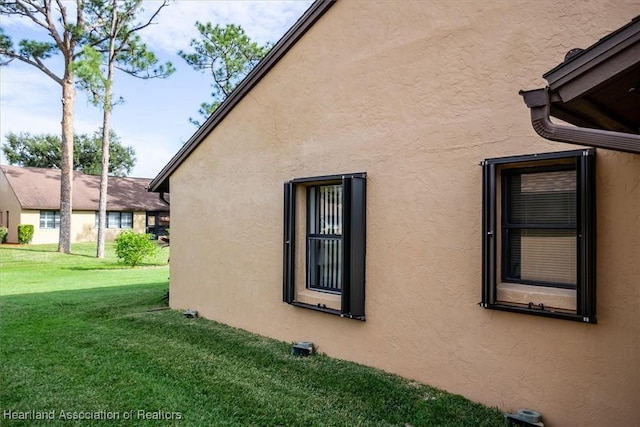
[324,244]
[538,234]
[324,238]
[539,226]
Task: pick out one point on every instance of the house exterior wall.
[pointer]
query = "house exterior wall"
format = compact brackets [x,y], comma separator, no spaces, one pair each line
[83,227]
[9,210]
[416,94]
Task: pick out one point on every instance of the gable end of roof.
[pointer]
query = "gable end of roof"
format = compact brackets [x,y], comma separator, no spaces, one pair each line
[160,184]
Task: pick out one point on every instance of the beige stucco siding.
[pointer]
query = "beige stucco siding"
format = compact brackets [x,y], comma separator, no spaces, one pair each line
[416,95]
[9,209]
[83,227]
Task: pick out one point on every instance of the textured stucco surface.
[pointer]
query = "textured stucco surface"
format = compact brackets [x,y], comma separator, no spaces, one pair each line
[416,94]
[10,208]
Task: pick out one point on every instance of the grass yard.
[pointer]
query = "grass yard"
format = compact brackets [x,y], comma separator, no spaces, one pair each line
[81,338]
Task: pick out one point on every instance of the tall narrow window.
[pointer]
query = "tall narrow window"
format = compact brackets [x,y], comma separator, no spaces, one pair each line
[324,238]
[324,269]
[541,259]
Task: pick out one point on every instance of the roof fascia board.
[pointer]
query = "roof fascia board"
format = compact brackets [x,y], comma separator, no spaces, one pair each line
[594,55]
[161,182]
[586,81]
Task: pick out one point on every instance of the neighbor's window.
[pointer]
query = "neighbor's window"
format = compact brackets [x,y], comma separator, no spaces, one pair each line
[324,244]
[541,259]
[49,219]
[117,219]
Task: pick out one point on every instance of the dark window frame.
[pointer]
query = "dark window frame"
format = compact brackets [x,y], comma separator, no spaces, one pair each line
[584,161]
[56,220]
[352,294]
[119,227]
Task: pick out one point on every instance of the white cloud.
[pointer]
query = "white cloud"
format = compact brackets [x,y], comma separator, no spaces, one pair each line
[263,21]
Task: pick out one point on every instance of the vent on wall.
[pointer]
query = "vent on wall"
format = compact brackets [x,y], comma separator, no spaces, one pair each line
[302,348]
[524,417]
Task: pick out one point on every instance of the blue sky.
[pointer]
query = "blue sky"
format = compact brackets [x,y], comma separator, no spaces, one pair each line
[154,118]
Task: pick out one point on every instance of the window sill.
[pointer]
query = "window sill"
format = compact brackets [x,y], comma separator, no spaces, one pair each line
[551,298]
[325,310]
[319,299]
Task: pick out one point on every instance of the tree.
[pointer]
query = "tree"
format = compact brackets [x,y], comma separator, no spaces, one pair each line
[228,54]
[114,43]
[44,151]
[66,30]
[67,35]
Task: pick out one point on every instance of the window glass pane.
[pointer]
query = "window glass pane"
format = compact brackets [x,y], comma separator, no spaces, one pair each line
[541,255]
[163,219]
[126,220]
[325,264]
[113,219]
[44,219]
[542,198]
[325,210]
[324,247]
[49,219]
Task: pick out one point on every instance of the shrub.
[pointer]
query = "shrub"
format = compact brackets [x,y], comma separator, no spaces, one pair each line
[131,248]
[25,233]
[3,234]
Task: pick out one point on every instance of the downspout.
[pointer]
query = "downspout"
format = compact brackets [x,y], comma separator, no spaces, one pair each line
[161,195]
[538,101]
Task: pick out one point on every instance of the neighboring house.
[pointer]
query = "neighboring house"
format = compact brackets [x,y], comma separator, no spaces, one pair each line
[425,228]
[32,196]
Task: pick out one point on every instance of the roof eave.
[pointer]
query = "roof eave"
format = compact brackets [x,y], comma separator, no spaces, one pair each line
[539,102]
[160,184]
[599,52]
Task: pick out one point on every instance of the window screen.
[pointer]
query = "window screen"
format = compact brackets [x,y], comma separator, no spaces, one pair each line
[539,227]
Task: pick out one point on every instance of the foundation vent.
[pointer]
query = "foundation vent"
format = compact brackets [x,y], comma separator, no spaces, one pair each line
[524,417]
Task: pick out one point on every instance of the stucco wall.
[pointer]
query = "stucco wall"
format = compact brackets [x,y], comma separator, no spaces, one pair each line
[9,209]
[83,227]
[416,95]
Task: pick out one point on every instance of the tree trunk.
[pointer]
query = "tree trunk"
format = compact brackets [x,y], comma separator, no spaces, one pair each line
[104,179]
[104,176]
[66,175]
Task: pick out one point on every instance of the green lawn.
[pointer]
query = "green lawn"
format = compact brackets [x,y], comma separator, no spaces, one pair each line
[82,337]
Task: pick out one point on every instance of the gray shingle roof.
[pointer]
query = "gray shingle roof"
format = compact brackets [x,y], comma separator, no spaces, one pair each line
[38,188]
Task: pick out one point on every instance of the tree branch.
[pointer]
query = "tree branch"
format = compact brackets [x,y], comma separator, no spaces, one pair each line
[35,62]
[21,8]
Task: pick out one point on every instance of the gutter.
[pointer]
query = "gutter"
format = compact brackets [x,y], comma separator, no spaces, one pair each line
[539,101]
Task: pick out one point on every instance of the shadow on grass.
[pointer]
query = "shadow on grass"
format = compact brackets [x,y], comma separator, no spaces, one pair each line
[35,248]
[108,267]
[71,294]
[115,267]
